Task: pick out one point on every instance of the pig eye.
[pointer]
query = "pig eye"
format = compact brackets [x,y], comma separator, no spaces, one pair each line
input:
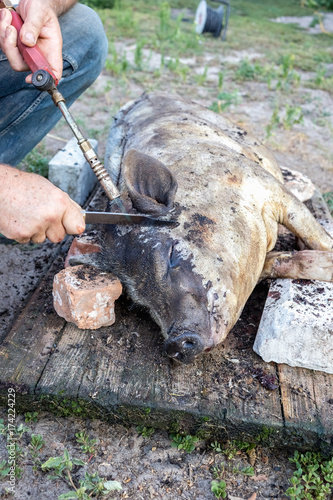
[174,258]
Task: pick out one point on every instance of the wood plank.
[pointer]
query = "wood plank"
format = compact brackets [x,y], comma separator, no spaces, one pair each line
[308,413]
[121,373]
[121,369]
[32,339]
[236,380]
[63,373]
[323,391]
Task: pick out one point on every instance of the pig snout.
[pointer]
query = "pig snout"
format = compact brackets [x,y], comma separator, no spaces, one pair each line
[184,347]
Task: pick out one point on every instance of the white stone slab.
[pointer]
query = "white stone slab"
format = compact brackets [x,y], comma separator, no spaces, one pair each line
[296,327]
[69,171]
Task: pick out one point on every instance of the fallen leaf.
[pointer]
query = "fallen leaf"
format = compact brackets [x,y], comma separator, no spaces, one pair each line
[261,477]
[252,456]
[253,496]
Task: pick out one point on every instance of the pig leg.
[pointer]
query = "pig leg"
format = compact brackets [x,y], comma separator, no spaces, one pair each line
[298,219]
[307,264]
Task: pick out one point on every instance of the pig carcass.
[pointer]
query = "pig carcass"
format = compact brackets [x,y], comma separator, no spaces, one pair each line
[174,158]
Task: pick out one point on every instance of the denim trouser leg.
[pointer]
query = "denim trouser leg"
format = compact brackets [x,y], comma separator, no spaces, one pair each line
[26,114]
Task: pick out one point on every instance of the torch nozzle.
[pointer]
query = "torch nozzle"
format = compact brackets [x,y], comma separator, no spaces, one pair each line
[90,155]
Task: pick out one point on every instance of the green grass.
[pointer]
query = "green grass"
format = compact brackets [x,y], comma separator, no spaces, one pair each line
[225,100]
[250,25]
[328,197]
[36,161]
[102,4]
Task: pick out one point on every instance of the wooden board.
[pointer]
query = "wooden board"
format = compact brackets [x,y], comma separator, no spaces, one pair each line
[32,340]
[307,404]
[120,373]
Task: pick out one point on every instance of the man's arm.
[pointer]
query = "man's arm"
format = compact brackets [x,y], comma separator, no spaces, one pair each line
[31,208]
[40,26]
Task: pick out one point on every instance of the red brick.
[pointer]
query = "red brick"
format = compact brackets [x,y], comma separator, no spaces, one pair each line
[83,244]
[86,297]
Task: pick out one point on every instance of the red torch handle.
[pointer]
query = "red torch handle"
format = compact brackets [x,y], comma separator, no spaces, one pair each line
[32,55]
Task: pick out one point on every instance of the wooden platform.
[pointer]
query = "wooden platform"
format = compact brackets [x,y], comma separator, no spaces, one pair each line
[120,373]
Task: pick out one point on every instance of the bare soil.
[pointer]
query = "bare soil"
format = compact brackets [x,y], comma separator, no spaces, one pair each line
[151,467]
[146,467]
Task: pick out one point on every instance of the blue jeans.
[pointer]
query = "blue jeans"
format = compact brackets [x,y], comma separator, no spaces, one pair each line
[26,114]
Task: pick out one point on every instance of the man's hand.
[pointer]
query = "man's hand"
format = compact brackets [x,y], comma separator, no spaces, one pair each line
[40,26]
[31,208]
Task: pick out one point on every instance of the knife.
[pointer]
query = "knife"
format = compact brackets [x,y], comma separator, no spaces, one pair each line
[121,218]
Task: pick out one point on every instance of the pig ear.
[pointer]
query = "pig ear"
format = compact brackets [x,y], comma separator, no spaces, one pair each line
[151,185]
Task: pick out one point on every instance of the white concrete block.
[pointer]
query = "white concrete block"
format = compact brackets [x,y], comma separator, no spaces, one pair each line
[296,327]
[69,171]
[299,184]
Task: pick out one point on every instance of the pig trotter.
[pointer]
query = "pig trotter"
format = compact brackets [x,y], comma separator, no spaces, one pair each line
[185,347]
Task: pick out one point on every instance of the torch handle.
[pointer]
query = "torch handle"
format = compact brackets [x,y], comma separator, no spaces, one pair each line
[32,55]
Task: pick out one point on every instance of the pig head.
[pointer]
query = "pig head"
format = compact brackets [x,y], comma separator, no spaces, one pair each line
[176,159]
[156,267]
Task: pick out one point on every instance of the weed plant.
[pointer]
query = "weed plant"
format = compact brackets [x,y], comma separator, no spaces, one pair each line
[328,197]
[138,55]
[313,478]
[91,486]
[184,442]
[219,489]
[202,78]
[247,70]
[60,467]
[31,416]
[328,4]
[145,432]
[225,100]
[87,445]
[116,64]
[286,118]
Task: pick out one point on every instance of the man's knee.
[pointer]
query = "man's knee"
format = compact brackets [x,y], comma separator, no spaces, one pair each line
[84,42]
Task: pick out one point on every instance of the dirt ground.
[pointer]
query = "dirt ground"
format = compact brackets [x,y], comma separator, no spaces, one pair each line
[149,467]
[146,467]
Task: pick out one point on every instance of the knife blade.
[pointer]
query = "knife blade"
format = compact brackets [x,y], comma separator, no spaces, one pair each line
[121,218]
